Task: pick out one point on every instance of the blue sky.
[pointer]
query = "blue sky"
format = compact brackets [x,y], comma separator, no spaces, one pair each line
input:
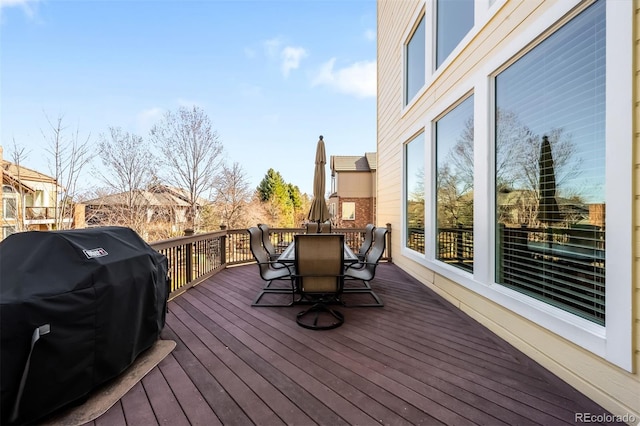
[271,75]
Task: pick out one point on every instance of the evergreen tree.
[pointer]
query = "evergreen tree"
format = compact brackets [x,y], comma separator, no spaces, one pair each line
[269,185]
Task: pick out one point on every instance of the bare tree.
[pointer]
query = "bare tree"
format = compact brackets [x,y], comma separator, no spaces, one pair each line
[455,199]
[517,166]
[232,194]
[18,155]
[128,171]
[191,152]
[69,156]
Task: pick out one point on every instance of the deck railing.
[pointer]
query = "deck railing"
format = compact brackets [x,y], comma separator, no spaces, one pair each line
[193,259]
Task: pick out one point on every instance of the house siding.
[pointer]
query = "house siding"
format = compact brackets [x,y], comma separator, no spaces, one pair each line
[609,385]
[356,184]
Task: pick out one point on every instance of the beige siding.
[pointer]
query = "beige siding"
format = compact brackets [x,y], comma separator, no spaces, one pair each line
[610,386]
[355,184]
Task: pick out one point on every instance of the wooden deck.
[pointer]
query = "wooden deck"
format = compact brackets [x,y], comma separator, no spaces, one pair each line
[418,360]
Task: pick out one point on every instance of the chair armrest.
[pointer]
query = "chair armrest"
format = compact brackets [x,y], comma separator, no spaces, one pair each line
[277,265]
[281,265]
[359,265]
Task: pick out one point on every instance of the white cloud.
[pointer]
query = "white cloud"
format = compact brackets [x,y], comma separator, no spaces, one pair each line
[28,6]
[291,57]
[288,56]
[357,79]
[272,47]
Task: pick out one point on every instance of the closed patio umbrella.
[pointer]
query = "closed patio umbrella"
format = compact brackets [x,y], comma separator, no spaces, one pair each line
[319,212]
[548,212]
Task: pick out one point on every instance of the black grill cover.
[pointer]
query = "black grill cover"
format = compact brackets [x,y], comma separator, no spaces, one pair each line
[103,294]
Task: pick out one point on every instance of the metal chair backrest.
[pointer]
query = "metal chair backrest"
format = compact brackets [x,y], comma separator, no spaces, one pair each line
[319,263]
[258,251]
[368,240]
[266,240]
[375,254]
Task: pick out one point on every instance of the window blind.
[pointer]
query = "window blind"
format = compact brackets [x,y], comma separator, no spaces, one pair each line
[550,168]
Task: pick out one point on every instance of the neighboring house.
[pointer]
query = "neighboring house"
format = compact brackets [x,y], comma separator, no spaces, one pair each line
[352,202]
[163,206]
[29,201]
[467,91]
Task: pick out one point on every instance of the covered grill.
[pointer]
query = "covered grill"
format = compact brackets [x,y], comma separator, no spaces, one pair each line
[76,309]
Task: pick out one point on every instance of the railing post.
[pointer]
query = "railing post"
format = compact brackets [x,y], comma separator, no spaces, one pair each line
[223,249]
[459,244]
[189,262]
[389,257]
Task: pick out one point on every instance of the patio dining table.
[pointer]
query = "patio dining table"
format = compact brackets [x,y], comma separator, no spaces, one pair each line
[289,254]
[365,296]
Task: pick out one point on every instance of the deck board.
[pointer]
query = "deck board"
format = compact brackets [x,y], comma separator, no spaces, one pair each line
[137,407]
[417,360]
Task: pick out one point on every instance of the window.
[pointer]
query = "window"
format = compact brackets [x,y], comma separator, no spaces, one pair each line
[550,169]
[415,62]
[414,193]
[454,20]
[9,208]
[454,186]
[9,202]
[348,210]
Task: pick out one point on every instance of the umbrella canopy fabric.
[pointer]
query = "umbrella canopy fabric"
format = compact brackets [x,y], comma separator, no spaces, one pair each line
[319,211]
[548,212]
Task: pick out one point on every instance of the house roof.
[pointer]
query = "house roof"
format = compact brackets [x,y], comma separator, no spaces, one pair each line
[183,194]
[158,195]
[25,173]
[354,163]
[20,176]
[143,198]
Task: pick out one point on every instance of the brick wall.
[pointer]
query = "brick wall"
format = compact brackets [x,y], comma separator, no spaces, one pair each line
[364,213]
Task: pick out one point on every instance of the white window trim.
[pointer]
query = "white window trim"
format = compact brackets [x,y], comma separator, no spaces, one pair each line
[613,341]
[483,13]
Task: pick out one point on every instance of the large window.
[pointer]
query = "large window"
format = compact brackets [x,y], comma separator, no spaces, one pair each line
[550,169]
[454,186]
[415,62]
[454,20]
[414,193]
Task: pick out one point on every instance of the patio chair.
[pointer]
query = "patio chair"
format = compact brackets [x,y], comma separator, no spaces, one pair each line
[270,271]
[266,242]
[319,265]
[365,270]
[367,243]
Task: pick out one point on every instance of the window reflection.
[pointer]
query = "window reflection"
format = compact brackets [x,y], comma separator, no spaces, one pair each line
[454,186]
[550,168]
[414,193]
